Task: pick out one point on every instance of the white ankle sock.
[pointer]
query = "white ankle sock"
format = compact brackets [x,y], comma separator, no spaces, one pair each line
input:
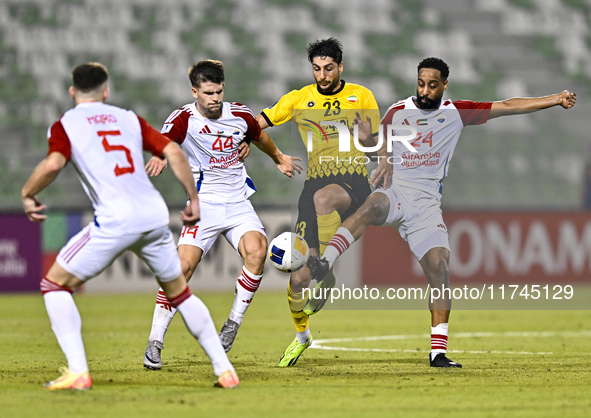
[439,339]
[304,336]
[163,314]
[341,240]
[67,327]
[246,286]
[201,326]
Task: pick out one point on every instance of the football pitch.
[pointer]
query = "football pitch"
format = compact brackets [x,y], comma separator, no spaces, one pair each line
[367,363]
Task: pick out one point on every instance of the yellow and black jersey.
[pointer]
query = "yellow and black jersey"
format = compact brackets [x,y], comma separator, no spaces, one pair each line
[308,107]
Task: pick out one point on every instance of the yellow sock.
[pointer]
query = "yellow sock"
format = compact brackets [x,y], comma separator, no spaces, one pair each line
[296,304]
[327,227]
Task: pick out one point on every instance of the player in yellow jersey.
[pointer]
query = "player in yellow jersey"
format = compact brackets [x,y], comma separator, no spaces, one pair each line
[337,181]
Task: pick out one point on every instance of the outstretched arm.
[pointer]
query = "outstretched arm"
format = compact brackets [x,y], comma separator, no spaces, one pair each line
[285,163]
[42,176]
[180,167]
[519,105]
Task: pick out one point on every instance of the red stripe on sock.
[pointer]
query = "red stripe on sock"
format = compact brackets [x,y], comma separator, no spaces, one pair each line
[175,302]
[438,342]
[49,286]
[162,300]
[247,282]
[339,242]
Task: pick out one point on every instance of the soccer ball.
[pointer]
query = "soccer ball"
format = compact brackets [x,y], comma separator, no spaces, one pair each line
[288,252]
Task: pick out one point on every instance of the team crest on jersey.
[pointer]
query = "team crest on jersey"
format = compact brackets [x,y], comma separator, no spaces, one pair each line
[166,128]
[440,119]
[311,103]
[236,132]
[352,99]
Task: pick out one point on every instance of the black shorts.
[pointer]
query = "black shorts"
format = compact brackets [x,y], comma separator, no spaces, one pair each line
[307,224]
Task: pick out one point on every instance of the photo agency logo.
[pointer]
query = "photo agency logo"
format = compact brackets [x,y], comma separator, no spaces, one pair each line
[395,133]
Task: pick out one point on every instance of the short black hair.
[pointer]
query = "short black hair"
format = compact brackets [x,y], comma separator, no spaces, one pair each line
[330,47]
[206,70]
[436,64]
[89,76]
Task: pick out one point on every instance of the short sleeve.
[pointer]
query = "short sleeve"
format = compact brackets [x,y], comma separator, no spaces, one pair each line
[152,141]
[473,113]
[253,132]
[59,141]
[176,125]
[280,112]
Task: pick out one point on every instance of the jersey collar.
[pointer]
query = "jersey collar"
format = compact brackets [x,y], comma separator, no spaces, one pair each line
[337,91]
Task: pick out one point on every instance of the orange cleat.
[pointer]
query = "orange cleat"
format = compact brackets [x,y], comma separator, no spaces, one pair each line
[228,380]
[69,380]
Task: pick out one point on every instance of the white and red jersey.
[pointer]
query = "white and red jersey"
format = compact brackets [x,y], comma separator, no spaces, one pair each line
[211,146]
[438,132]
[105,145]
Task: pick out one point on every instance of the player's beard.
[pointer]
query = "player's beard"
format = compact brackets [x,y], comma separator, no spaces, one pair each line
[331,87]
[428,104]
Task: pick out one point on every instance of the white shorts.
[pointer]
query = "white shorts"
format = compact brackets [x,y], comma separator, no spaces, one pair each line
[233,220]
[418,218]
[92,250]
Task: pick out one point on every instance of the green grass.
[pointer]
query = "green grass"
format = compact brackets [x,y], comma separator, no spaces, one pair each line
[323,383]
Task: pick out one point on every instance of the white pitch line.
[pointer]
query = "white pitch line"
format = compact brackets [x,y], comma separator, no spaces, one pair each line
[319,344]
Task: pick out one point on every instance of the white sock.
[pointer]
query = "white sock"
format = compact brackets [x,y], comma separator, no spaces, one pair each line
[67,327]
[246,286]
[163,314]
[439,339]
[304,336]
[201,326]
[341,240]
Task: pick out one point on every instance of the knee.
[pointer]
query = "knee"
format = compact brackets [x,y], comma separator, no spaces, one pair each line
[437,270]
[323,202]
[255,255]
[373,210]
[300,278]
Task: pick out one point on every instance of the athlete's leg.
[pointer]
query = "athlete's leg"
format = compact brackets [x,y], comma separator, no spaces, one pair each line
[330,203]
[435,265]
[57,288]
[297,298]
[253,249]
[198,322]
[190,256]
[374,211]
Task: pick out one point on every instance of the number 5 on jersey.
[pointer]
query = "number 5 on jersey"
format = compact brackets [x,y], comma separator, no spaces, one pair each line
[108,147]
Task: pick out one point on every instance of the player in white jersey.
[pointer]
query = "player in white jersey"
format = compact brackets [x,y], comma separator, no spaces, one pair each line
[210,132]
[410,201]
[105,144]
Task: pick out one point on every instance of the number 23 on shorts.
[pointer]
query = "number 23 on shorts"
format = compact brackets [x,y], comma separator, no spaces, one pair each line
[301,229]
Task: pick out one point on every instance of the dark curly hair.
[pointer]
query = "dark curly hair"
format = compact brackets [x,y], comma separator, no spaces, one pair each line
[436,64]
[330,47]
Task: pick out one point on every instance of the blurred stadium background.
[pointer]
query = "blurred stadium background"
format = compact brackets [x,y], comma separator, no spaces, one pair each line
[496,49]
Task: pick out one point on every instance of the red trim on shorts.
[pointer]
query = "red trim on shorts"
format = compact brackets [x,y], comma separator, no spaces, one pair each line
[77,246]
